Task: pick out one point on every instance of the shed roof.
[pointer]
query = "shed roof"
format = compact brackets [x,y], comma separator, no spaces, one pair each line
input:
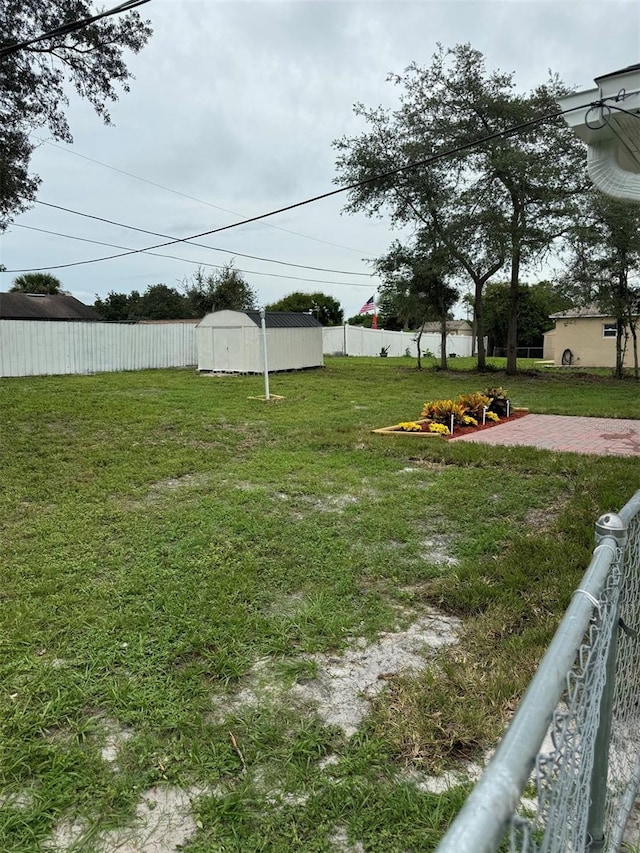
[284,319]
[41,306]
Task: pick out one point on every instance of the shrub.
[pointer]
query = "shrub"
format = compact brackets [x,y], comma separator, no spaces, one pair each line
[474,403]
[440,411]
[498,402]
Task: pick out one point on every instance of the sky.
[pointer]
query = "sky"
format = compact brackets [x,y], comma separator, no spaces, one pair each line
[232,113]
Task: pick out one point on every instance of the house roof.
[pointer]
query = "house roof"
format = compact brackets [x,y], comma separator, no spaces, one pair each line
[452,326]
[284,320]
[38,306]
[576,313]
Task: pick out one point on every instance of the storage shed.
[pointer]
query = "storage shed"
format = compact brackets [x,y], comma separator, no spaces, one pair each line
[231,341]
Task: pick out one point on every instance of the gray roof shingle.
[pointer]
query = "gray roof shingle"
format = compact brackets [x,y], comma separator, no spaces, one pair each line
[284,320]
[36,306]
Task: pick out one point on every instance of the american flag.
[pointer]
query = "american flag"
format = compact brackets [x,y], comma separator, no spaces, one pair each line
[368,306]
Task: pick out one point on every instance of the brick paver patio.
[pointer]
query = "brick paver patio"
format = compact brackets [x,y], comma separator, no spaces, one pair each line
[598,436]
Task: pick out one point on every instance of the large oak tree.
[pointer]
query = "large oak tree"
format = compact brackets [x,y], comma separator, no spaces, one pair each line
[492,204]
[34,80]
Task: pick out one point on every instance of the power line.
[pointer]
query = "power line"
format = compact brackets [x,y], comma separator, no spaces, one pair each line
[396,171]
[198,200]
[200,245]
[65,29]
[187,260]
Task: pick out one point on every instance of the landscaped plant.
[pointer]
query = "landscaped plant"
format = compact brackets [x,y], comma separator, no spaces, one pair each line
[499,400]
[475,403]
[441,429]
[409,426]
[440,411]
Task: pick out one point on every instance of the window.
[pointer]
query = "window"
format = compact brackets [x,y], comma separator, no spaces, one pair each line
[609,330]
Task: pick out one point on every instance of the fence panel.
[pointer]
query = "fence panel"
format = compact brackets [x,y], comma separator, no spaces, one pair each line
[360,341]
[39,348]
[576,734]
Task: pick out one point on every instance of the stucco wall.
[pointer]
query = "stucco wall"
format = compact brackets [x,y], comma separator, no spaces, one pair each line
[583,336]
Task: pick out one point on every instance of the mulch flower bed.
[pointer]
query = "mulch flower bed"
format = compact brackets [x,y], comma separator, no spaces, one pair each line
[467,430]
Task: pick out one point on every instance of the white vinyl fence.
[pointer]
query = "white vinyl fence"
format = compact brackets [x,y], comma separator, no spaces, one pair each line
[356,340]
[47,347]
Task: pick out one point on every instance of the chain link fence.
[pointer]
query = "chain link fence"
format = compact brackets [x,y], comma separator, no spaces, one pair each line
[566,772]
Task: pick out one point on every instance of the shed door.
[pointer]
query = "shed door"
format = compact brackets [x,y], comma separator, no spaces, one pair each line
[226,348]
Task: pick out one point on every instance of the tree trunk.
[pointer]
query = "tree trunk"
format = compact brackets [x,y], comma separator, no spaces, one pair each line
[443,343]
[512,327]
[478,320]
[418,347]
[619,370]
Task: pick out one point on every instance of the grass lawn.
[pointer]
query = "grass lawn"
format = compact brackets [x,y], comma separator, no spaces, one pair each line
[179,562]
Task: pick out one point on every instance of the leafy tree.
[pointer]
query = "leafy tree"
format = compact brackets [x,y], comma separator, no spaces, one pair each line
[415,288]
[491,204]
[116,306]
[36,282]
[604,267]
[158,302]
[219,291]
[324,308]
[33,80]
[536,302]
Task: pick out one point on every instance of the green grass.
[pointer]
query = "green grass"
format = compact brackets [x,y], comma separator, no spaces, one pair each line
[162,533]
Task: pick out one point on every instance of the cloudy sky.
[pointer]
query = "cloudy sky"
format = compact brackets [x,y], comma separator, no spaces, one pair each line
[233,112]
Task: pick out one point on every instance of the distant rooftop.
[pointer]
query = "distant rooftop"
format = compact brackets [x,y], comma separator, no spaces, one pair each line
[40,306]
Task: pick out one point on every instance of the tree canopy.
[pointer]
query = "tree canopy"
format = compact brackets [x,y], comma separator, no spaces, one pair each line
[158,302]
[489,205]
[36,282]
[415,289]
[226,289]
[324,308]
[33,80]
[536,303]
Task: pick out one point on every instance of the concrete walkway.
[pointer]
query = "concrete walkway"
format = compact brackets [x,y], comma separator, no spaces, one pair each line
[598,436]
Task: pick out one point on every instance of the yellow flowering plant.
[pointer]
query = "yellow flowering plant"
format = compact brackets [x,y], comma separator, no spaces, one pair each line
[410,426]
[440,429]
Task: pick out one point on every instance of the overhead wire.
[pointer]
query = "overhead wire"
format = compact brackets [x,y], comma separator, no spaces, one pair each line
[329,194]
[199,200]
[200,245]
[190,261]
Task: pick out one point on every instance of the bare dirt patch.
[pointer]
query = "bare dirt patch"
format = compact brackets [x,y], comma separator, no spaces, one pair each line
[345,683]
[163,822]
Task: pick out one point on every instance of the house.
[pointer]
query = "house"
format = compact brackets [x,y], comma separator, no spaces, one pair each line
[454,327]
[232,342]
[44,306]
[585,337]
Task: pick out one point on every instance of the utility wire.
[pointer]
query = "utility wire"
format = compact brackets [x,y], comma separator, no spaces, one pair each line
[189,261]
[200,245]
[199,200]
[396,171]
[65,29]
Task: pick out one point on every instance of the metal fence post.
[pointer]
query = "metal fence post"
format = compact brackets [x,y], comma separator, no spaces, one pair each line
[614,526]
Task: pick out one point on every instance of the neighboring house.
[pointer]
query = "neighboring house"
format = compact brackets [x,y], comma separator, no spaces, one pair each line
[41,306]
[454,327]
[585,337]
[231,341]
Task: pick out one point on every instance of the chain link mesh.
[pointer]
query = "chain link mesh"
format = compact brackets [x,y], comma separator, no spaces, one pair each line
[564,765]
[586,773]
[558,820]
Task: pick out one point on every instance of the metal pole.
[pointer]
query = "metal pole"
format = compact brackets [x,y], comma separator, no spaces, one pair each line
[264,352]
[607,525]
